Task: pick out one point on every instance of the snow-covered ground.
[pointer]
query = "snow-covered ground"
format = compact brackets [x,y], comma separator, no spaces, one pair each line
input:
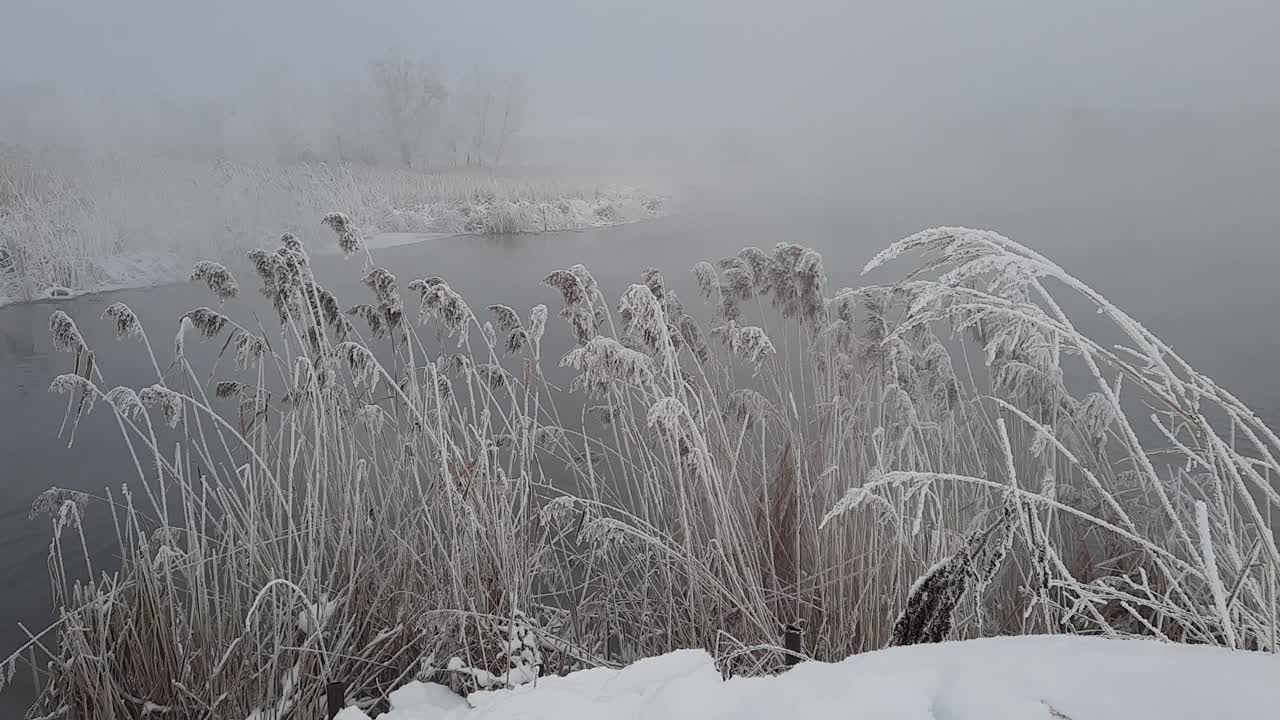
[148,228]
[1015,678]
[612,205]
[615,206]
[382,241]
[102,274]
[400,227]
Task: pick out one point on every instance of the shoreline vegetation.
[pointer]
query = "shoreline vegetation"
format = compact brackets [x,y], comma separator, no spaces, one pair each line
[402,489]
[71,226]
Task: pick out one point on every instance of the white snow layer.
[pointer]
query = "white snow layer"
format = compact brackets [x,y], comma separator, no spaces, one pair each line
[89,273]
[1014,678]
[104,274]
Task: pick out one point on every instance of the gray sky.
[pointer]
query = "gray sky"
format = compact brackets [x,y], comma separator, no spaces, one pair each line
[610,63]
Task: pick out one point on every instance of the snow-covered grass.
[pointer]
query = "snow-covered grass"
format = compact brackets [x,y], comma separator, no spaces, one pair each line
[1011,678]
[75,224]
[389,200]
[951,456]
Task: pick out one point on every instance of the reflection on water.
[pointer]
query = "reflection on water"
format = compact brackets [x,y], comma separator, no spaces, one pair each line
[1205,290]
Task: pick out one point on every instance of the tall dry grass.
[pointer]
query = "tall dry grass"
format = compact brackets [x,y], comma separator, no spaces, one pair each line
[382,491]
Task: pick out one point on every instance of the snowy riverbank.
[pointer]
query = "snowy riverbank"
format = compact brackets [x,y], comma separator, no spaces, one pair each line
[491,215]
[102,274]
[145,226]
[1015,678]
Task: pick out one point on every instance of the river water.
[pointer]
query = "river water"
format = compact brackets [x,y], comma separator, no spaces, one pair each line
[1207,287]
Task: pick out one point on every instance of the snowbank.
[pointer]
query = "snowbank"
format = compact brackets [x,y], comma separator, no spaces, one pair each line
[84,231]
[382,241]
[1016,678]
[490,214]
[82,276]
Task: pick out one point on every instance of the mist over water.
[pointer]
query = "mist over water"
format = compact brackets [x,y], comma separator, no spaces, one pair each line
[1137,144]
[1131,115]
[1159,101]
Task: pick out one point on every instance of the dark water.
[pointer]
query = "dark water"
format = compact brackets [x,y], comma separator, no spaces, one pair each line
[1208,287]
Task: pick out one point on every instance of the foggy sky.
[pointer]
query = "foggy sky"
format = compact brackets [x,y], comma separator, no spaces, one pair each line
[609,64]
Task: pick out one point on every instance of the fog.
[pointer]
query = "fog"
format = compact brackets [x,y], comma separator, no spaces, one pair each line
[1136,142]
[667,64]
[1145,104]
[673,60]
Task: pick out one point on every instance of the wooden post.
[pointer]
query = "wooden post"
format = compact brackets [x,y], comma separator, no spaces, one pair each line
[791,640]
[336,695]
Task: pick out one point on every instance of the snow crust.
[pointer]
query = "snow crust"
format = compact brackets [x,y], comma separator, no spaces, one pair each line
[1015,678]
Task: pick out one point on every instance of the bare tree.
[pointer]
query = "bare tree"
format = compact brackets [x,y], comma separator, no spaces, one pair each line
[475,107]
[352,130]
[515,98]
[410,96]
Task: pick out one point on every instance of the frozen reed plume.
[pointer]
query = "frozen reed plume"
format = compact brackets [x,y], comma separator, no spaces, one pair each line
[484,502]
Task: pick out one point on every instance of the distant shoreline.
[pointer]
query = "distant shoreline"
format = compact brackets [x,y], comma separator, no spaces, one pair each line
[163,273]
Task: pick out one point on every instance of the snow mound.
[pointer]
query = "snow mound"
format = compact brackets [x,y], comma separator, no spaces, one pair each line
[614,205]
[94,275]
[1015,678]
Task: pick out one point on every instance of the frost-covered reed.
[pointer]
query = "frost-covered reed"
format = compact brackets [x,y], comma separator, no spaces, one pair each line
[372,494]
